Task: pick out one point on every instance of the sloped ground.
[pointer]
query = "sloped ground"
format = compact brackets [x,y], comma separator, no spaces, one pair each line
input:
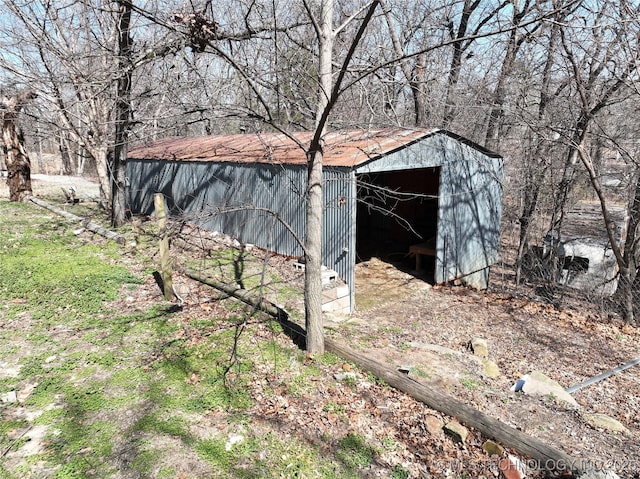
[407,323]
[569,345]
[427,330]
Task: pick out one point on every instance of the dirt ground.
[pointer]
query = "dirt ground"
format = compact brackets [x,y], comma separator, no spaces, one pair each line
[426,330]
[568,344]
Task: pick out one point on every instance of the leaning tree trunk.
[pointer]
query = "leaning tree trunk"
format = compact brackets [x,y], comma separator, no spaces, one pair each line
[14,149]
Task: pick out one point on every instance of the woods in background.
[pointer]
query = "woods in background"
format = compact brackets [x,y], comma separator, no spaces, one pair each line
[551,85]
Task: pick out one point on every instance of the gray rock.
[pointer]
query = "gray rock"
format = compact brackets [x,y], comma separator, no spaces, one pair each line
[602,421]
[538,384]
[457,431]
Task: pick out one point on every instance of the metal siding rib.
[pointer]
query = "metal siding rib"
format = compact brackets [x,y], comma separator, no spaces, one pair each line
[469,214]
[337,221]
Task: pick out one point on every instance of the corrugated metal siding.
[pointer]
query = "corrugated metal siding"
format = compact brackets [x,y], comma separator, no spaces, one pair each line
[470,203]
[468,218]
[338,246]
[469,214]
[205,192]
[236,199]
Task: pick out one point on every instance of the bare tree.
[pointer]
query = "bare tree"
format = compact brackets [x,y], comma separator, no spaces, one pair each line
[79,61]
[414,74]
[515,40]
[602,58]
[463,32]
[540,127]
[321,17]
[123,113]
[15,152]
[68,69]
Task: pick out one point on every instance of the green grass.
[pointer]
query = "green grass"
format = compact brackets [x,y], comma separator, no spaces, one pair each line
[470,383]
[50,274]
[268,456]
[355,452]
[123,392]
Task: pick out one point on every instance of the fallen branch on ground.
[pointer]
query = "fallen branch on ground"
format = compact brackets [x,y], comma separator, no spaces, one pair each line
[86,223]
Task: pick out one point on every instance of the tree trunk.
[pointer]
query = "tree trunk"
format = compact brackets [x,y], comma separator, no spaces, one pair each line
[15,151]
[417,85]
[547,457]
[530,203]
[328,96]
[65,153]
[86,223]
[416,77]
[313,238]
[123,116]
[101,156]
[631,257]
[313,257]
[535,174]
[492,138]
[567,182]
[456,61]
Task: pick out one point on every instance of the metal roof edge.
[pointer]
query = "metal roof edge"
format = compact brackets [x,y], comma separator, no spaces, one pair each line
[407,136]
[427,133]
[471,143]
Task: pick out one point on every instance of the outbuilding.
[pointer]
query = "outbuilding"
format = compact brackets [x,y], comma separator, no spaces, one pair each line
[396,191]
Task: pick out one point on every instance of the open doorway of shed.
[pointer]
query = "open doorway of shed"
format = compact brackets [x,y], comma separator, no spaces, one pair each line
[398,209]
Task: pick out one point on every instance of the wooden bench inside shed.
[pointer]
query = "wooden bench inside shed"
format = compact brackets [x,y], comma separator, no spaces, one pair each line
[422,249]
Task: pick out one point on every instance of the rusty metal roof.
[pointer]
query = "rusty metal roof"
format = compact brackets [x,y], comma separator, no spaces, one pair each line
[342,148]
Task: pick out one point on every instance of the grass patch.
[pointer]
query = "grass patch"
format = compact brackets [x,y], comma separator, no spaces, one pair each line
[470,383]
[268,456]
[133,393]
[51,274]
[355,453]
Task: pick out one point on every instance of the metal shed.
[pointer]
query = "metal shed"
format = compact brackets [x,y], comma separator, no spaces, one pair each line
[399,190]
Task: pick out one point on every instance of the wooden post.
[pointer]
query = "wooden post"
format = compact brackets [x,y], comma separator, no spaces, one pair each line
[165,260]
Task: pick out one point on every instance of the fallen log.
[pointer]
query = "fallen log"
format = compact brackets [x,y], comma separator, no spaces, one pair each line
[85,222]
[544,456]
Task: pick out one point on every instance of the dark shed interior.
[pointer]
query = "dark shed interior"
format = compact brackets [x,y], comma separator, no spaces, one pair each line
[397,209]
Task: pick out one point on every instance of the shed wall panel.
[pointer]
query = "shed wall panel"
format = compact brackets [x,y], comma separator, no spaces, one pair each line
[469,214]
[338,247]
[470,203]
[249,202]
[252,202]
